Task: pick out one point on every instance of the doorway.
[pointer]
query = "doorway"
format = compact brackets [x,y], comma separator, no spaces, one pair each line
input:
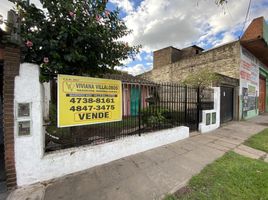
[226,110]
[2,149]
[135,96]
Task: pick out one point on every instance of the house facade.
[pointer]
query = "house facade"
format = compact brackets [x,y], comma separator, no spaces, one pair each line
[242,64]
[135,92]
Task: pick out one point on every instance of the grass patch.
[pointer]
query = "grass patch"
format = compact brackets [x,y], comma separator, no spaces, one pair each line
[170,197]
[230,177]
[259,141]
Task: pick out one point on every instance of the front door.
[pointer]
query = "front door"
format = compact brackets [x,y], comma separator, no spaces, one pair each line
[262,95]
[2,153]
[226,104]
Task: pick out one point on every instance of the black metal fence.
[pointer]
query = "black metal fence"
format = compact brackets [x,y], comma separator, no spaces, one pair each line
[146,107]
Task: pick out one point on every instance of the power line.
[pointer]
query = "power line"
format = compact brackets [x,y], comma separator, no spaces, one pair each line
[246,18]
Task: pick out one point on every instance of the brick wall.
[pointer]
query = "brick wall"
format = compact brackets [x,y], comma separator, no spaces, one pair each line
[11,69]
[255,39]
[190,51]
[254,30]
[224,60]
[165,56]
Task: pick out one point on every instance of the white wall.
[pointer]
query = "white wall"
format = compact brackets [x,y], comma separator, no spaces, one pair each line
[249,72]
[203,128]
[32,165]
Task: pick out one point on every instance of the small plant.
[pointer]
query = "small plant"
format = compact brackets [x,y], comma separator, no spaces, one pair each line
[154,115]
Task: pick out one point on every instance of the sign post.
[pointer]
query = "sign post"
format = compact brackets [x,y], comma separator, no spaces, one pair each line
[86,100]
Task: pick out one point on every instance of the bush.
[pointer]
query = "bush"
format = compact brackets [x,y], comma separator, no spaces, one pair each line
[154,115]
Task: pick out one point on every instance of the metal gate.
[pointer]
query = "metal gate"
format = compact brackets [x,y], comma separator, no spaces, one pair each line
[147,107]
[227,94]
[192,108]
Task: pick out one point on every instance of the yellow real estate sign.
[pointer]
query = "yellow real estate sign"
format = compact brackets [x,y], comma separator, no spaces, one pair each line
[86,100]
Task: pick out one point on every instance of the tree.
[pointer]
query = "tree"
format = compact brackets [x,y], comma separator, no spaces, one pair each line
[72,37]
[201,78]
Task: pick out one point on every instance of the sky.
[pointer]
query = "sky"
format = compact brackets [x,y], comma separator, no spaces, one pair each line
[156,24]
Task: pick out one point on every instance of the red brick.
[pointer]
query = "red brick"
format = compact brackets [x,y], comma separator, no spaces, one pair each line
[254,30]
[9,142]
[11,176]
[11,69]
[11,170]
[12,184]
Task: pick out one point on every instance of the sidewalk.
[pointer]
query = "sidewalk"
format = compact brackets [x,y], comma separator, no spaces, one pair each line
[154,173]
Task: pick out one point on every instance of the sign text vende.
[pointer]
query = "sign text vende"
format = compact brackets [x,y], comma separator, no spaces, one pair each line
[86,100]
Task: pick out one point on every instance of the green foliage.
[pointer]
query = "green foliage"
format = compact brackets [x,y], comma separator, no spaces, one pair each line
[201,78]
[72,37]
[259,141]
[170,197]
[153,115]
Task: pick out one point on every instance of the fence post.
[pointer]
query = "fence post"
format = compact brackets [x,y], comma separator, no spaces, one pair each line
[140,109]
[185,104]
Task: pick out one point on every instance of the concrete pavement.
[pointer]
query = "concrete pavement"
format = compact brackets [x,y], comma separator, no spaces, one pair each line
[250,152]
[154,173]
